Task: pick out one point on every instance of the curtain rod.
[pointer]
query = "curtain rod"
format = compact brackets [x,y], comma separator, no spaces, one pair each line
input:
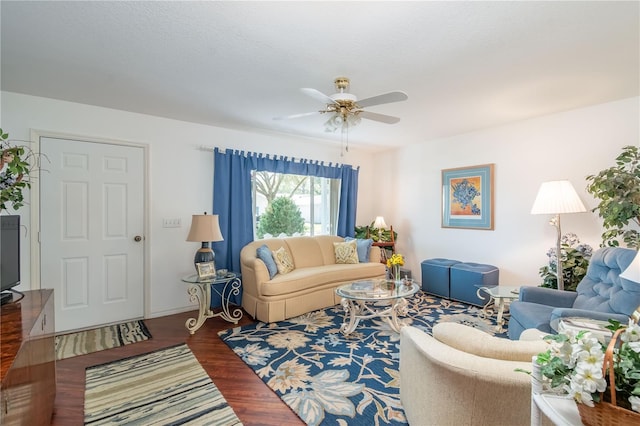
[300,160]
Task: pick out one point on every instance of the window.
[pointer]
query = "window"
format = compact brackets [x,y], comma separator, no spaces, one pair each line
[294,204]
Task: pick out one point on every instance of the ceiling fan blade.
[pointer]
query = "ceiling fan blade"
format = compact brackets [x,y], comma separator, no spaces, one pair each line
[316,94]
[385,98]
[304,114]
[378,117]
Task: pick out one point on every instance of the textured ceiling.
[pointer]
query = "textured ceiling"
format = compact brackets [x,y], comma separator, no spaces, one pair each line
[464,65]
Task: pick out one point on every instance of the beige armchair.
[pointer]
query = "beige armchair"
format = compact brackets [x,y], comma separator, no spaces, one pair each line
[464,376]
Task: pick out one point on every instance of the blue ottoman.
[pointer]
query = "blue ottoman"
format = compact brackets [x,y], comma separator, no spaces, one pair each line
[465,277]
[435,276]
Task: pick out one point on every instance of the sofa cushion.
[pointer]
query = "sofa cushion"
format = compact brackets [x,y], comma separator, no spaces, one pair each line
[346,252]
[310,251]
[310,279]
[363,246]
[266,256]
[477,342]
[283,260]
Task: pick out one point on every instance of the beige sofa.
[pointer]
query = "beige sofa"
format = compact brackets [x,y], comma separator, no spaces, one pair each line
[464,376]
[310,286]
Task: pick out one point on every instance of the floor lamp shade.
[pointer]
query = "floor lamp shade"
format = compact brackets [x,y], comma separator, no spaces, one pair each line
[632,273]
[557,197]
[205,228]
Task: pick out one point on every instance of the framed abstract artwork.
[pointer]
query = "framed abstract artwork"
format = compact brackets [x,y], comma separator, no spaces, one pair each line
[467,197]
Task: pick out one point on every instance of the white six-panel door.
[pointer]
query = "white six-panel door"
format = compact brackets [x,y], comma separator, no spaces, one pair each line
[91,231]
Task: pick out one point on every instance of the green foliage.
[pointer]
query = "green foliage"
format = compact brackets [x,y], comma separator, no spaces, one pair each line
[14,172]
[371,232]
[618,189]
[575,260]
[282,216]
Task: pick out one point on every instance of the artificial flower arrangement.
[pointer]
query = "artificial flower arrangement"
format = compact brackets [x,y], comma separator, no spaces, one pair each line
[575,364]
[394,263]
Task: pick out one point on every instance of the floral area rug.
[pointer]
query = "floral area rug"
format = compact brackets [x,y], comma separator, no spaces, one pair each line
[331,379]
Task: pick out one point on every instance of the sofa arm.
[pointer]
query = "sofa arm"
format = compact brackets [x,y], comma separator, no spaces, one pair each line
[548,296]
[254,273]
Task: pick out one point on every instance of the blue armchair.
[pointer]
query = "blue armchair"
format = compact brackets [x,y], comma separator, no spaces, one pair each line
[601,295]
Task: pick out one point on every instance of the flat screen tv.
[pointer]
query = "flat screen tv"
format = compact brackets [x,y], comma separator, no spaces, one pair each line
[9,254]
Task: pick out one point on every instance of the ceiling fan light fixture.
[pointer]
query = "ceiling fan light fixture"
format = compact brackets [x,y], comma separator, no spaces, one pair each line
[342,96]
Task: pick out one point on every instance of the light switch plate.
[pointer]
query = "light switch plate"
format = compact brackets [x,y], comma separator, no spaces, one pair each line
[172,223]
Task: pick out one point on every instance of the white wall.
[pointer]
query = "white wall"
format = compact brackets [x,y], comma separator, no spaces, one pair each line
[181,175]
[569,145]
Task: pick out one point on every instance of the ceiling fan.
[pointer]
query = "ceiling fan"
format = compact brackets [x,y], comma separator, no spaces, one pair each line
[345,108]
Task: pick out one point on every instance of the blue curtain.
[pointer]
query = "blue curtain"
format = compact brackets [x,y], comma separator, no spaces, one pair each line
[232,196]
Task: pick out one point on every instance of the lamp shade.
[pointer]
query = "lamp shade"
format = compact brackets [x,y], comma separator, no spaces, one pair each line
[632,273]
[205,228]
[379,223]
[556,197]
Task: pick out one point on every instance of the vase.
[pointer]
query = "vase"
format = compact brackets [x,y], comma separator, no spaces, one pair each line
[396,273]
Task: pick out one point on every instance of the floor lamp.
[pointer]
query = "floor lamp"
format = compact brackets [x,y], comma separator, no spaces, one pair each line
[557,197]
[632,273]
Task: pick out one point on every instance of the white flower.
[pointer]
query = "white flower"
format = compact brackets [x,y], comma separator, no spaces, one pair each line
[577,392]
[589,377]
[634,346]
[635,403]
[632,333]
[563,351]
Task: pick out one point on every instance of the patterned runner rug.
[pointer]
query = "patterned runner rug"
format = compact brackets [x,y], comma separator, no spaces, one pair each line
[99,339]
[168,386]
[327,378]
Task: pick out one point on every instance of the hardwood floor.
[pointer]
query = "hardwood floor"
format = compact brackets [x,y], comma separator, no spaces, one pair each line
[253,402]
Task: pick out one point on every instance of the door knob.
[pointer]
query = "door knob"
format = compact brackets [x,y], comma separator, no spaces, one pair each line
[137,238]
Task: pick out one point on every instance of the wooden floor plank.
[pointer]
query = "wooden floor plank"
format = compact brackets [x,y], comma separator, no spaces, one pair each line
[253,402]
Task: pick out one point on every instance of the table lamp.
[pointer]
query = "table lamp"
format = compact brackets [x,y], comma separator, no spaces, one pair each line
[205,229]
[632,273]
[556,197]
[380,225]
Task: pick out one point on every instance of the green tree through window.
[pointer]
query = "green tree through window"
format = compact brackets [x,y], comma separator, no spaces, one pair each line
[316,199]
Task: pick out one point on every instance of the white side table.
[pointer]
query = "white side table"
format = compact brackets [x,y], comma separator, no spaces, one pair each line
[560,409]
[200,291]
[499,296]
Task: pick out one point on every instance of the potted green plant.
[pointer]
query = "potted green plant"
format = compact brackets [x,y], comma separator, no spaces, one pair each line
[575,260]
[618,189]
[14,172]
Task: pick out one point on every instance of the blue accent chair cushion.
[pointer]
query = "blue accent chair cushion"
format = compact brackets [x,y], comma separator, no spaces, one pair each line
[601,295]
[363,246]
[266,256]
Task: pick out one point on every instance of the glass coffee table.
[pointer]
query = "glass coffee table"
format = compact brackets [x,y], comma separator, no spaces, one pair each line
[374,299]
[497,296]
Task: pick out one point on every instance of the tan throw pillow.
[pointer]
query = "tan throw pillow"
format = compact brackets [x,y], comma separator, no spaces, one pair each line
[346,252]
[283,261]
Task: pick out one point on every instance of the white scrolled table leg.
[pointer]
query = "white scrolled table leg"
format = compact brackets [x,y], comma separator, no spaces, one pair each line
[202,295]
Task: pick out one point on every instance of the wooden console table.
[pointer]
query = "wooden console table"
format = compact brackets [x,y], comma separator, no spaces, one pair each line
[28,364]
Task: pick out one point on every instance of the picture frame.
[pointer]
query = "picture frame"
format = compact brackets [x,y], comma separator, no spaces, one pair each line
[206,270]
[467,197]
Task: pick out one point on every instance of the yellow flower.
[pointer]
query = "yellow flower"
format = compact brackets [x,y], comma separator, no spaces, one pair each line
[395,260]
